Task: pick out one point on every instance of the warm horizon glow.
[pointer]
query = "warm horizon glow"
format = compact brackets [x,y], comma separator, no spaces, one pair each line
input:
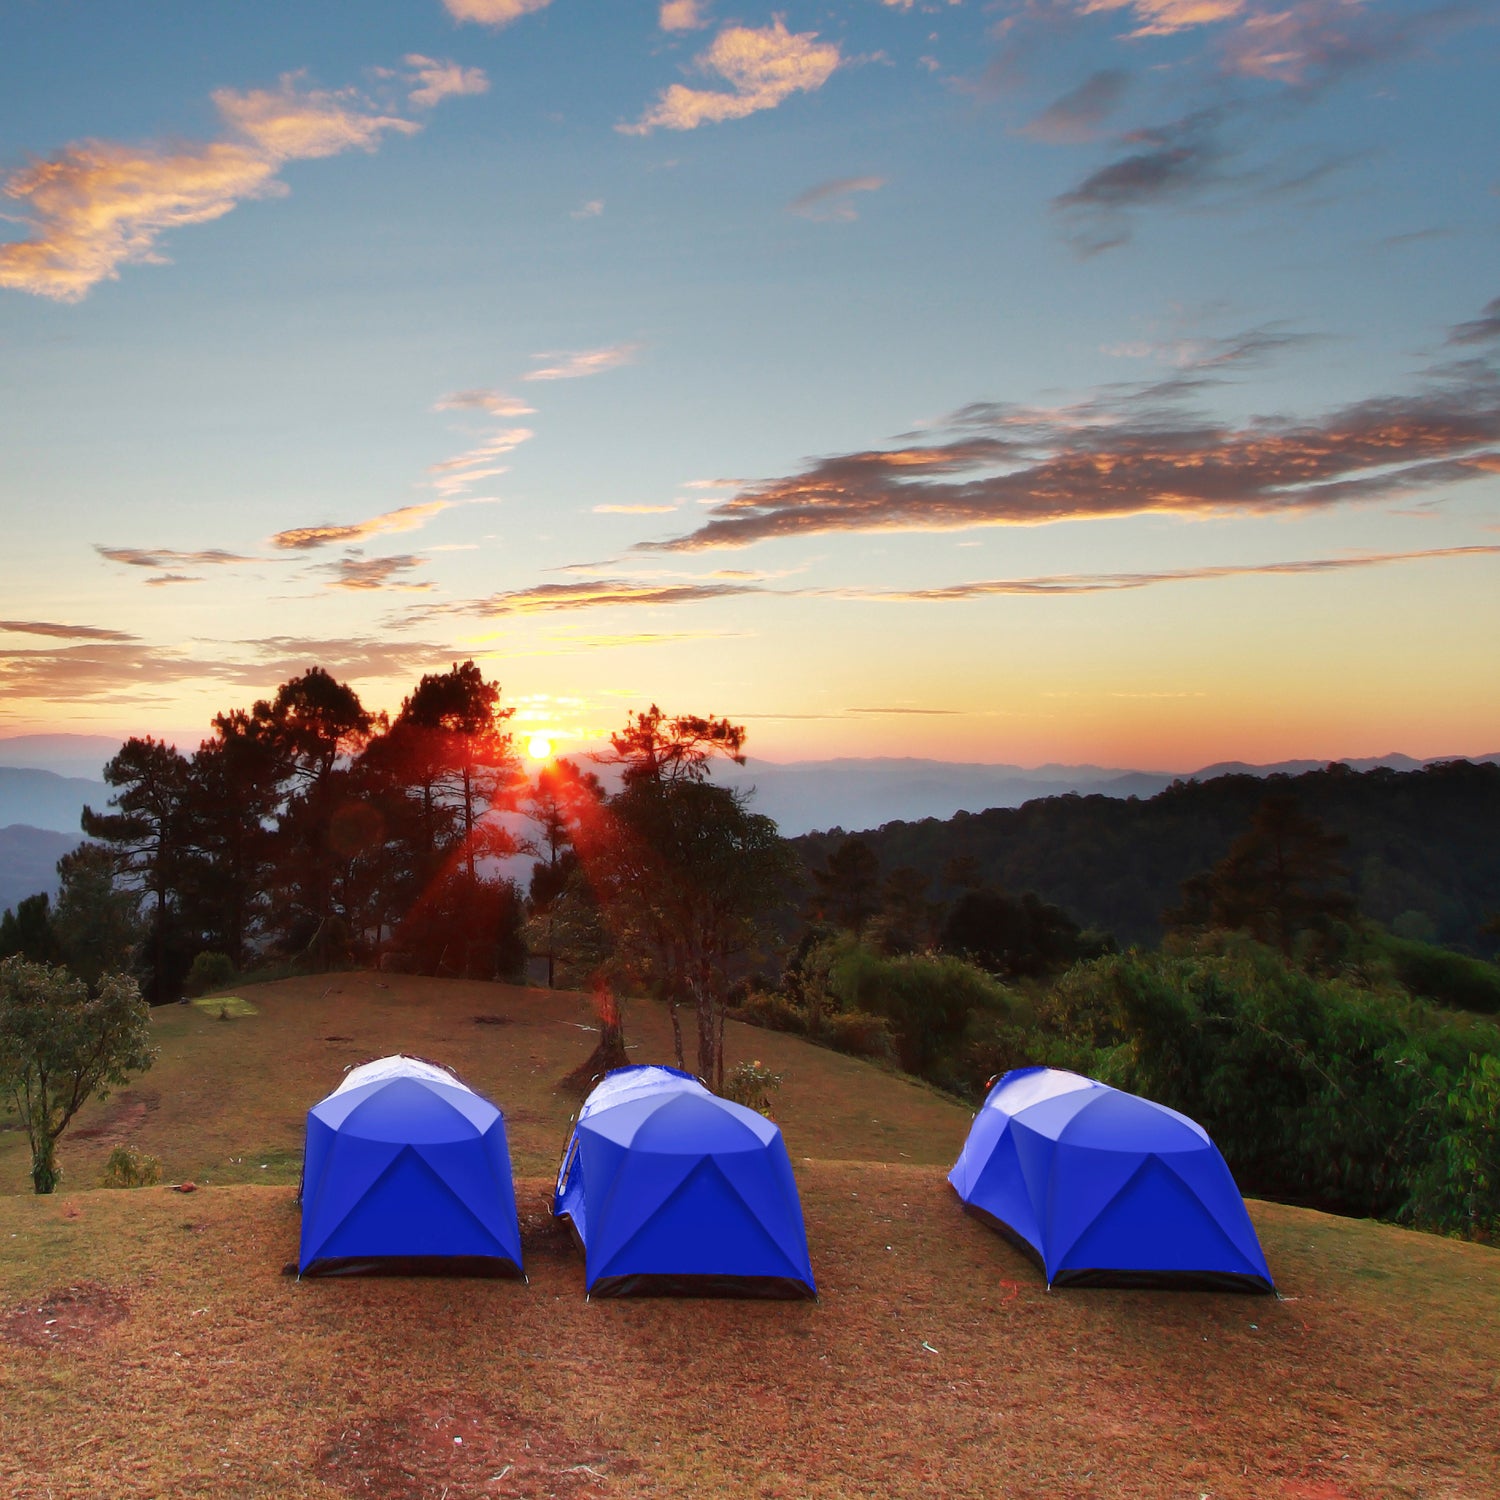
[1072,422]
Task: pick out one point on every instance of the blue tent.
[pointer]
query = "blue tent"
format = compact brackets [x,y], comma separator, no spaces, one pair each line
[407,1168]
[670,1188]
[1104,1188]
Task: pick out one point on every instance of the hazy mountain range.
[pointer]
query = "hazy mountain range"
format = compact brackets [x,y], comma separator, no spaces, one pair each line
[45,780]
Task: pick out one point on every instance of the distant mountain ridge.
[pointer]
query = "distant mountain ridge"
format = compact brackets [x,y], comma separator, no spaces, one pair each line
[857,795]
[1420,852]
[851,793]
[28,861]
[43,799]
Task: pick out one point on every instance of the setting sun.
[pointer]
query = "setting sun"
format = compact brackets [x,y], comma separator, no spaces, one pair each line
[539,747]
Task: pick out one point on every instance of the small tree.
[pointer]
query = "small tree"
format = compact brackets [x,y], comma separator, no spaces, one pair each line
[61,1045]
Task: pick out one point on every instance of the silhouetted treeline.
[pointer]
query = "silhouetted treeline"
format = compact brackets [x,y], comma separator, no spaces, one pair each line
[309,830]
[1421,848]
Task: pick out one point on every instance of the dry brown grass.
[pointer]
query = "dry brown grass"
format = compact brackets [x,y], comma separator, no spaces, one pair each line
[935,1363]
[227,1100]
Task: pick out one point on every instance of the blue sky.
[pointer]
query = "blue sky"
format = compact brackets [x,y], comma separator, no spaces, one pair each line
[1106,382]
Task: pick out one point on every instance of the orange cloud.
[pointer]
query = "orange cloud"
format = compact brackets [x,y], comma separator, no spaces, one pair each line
[354,571]
[1129,455]
[63,632]
[407,518]
[573,366]
[493,12]
[1163,17]
[762,66]
[164,557]
[492,447]
[594,593]
[443,80]
[98,205]
[682,15]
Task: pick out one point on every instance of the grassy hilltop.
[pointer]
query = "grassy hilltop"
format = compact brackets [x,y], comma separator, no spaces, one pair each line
[150,1346]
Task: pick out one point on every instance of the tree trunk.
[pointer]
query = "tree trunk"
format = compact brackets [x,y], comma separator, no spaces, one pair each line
[703,1004]
[676,1031]
[44,1173]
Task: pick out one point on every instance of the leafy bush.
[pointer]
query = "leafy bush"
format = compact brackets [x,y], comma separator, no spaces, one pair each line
[752,1084]
[771,1012]
[1317,1090]
[210,971]
[1445,977]
[928,999]
[859,1034]
[128,1168]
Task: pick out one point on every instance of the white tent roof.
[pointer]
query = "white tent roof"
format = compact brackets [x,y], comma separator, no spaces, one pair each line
[399,1066]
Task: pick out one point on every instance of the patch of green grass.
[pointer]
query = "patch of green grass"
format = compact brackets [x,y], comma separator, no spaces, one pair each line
[225,1006]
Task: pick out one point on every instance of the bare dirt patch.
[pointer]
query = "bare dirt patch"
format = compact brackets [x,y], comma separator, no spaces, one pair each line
[122,1118]
[65,1316]
[463,1450]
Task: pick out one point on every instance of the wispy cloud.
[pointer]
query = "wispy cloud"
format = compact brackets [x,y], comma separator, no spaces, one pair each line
[762,66]
[165,557]
[284,656]
[119,673]
[495,446]
[1077,116]
[360,573]
[97,205]
[64,632]
[1127,453]
[573,366]
[831,201]
[592,593]
[493,12]
[1100,583]
[682,15]
[437,81]
[1480,330]
[495,403]
[407,518]
[1247,349]
[590,210]
[1162,163]
[1163,17]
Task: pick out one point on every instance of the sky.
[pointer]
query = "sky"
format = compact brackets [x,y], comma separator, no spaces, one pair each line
[1110,381]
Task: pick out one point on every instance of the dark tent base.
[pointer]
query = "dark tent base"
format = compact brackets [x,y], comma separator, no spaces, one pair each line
[495,1267]
[1146,1281]
[759,1288]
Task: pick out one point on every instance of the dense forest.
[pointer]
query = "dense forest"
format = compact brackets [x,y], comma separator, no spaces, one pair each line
[1422,847]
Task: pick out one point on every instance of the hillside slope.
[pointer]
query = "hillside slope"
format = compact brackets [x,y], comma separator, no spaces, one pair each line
[1419,841]
[934,1363]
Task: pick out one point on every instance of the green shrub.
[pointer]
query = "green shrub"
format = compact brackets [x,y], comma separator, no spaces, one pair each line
[1317,1090]
[1445,977]
[128,1168]
[928,999]
[752,1084]
[210,971]
[859,1034]
[1458,1188]
[771,1012]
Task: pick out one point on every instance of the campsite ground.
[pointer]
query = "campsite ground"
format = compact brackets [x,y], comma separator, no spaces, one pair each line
[150,1346]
